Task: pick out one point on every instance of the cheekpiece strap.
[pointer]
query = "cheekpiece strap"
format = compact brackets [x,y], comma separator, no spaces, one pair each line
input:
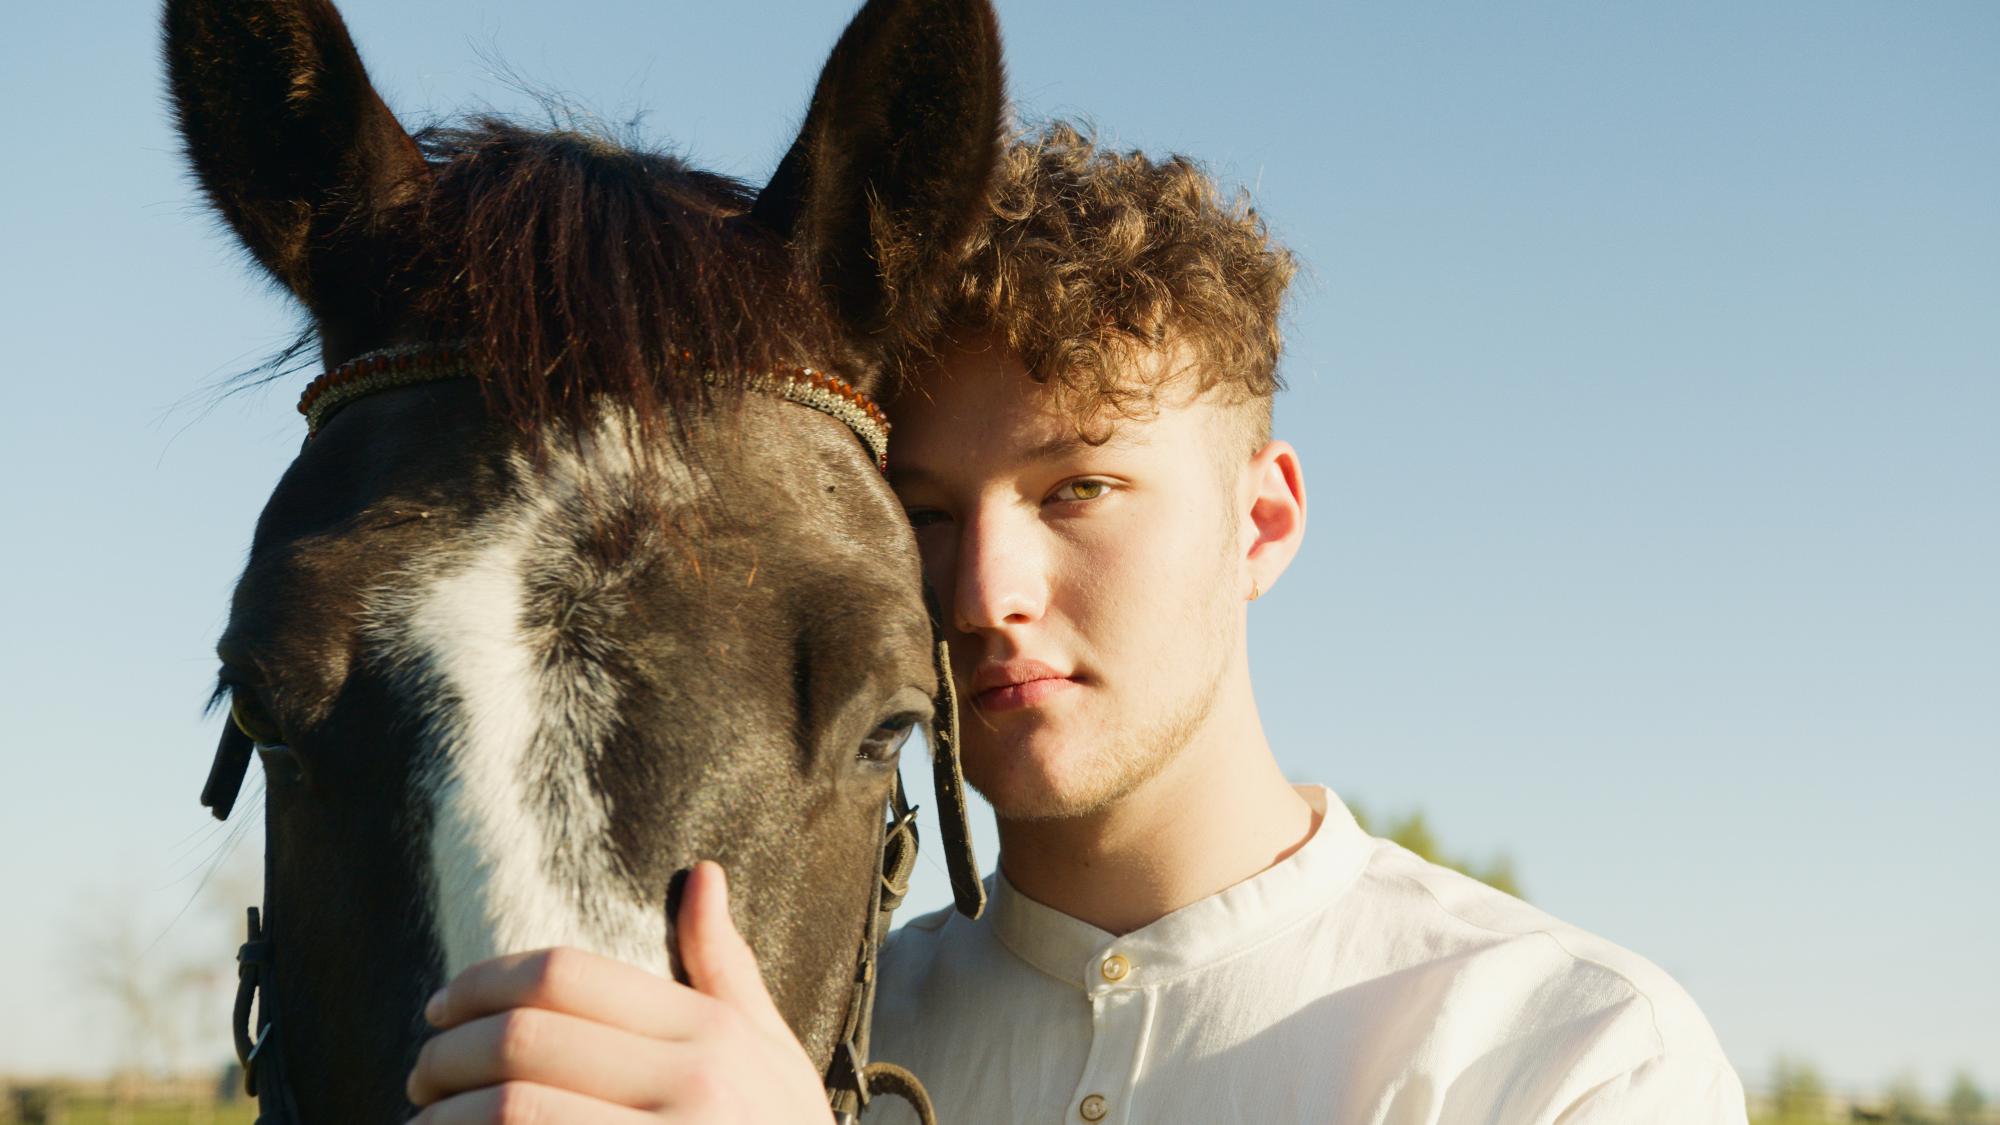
[948,775]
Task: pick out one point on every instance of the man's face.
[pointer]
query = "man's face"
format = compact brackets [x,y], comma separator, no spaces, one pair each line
[1091,592]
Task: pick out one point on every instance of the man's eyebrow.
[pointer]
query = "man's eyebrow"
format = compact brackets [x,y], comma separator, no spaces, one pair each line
[1052,449]
[1057,447]
[1071,444]
[900,475]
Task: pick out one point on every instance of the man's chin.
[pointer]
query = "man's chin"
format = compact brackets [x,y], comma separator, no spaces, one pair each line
[1027,787]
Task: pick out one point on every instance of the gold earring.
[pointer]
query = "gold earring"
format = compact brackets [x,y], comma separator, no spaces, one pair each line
[1255,590]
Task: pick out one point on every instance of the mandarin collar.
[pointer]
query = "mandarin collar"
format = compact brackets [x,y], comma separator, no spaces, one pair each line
[1199,934]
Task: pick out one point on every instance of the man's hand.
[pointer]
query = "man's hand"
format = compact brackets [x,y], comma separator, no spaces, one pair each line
[567,1036]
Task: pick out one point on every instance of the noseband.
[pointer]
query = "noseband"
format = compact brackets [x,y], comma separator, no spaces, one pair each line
[850,1078]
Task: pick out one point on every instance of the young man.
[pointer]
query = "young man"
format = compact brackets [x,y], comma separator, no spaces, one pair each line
[1176,932]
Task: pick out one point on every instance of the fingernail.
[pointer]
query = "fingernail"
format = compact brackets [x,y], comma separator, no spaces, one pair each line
[434,1008]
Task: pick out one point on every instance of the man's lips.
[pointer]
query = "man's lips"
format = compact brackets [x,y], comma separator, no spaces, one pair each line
[1015,684]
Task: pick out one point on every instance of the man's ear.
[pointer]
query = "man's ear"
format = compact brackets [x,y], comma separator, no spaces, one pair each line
[1273,500]
[889,175]
[290,142]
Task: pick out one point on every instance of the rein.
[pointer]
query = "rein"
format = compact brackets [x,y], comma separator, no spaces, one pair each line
[851,1079]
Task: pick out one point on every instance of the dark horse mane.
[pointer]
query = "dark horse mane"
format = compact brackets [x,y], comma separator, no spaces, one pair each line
[571,268]
[576,269]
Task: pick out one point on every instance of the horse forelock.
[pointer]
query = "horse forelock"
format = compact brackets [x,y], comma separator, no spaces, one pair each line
[574,269]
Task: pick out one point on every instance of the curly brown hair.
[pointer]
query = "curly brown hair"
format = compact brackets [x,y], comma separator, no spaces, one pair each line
[1089,256]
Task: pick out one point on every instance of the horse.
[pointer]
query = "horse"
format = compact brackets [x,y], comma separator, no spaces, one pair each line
[565,591]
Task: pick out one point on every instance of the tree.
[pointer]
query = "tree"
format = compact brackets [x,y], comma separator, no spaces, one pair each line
[1966,1104]
[1905,1102]
[1798,1092]
[162,983]
[150,995]
[1413,831]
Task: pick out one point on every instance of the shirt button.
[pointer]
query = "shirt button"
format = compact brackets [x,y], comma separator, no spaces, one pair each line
[1115,968]
[1092,1108]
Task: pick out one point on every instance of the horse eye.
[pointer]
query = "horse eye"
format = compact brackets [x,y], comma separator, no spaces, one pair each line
[251,718]
[887,740]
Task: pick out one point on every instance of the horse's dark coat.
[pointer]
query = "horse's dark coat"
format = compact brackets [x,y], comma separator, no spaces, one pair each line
[747,596]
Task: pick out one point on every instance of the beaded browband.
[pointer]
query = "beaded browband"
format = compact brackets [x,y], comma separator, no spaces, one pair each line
[429,363]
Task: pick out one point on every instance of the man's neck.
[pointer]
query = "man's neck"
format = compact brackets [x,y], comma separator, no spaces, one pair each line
[1218,814]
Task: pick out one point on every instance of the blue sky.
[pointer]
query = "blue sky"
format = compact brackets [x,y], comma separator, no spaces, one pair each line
[1646,375]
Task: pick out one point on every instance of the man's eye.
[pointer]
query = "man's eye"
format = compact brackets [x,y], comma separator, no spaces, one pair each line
[924,517]
[1081,490]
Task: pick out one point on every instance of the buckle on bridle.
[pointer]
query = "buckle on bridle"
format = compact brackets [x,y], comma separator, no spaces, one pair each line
[846,1075]
[253,957]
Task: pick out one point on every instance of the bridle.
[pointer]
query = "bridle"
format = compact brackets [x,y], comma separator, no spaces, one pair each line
[851,1079]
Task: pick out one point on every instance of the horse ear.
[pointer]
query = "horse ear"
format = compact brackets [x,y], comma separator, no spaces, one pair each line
[290,142]
[890,172]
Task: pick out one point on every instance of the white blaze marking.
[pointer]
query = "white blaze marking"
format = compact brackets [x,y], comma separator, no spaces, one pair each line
[520,853]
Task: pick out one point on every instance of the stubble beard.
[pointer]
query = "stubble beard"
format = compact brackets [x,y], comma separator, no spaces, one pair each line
[1129,760]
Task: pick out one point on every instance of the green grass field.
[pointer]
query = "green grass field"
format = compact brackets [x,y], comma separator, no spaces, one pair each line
[158,1115]
[95,1111]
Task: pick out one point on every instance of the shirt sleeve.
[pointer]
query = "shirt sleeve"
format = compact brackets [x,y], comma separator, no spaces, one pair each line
[1664,1090]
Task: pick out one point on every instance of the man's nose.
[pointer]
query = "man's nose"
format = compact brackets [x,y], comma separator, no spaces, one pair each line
[999,580]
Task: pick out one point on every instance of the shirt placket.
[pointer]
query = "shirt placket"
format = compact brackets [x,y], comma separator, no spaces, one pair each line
[1121,1011]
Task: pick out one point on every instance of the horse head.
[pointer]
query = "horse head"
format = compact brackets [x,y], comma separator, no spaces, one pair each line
[520,644]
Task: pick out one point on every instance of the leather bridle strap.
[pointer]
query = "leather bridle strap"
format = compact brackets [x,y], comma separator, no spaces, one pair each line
[258,1044]
[408,365]
[948,776]
[851,1079]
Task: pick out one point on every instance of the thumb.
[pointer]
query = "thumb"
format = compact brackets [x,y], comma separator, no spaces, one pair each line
[719,962]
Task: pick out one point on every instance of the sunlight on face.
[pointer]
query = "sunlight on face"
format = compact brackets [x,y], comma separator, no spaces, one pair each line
[1091,591]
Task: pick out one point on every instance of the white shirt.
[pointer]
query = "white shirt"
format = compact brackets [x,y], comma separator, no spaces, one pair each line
[1351,983]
